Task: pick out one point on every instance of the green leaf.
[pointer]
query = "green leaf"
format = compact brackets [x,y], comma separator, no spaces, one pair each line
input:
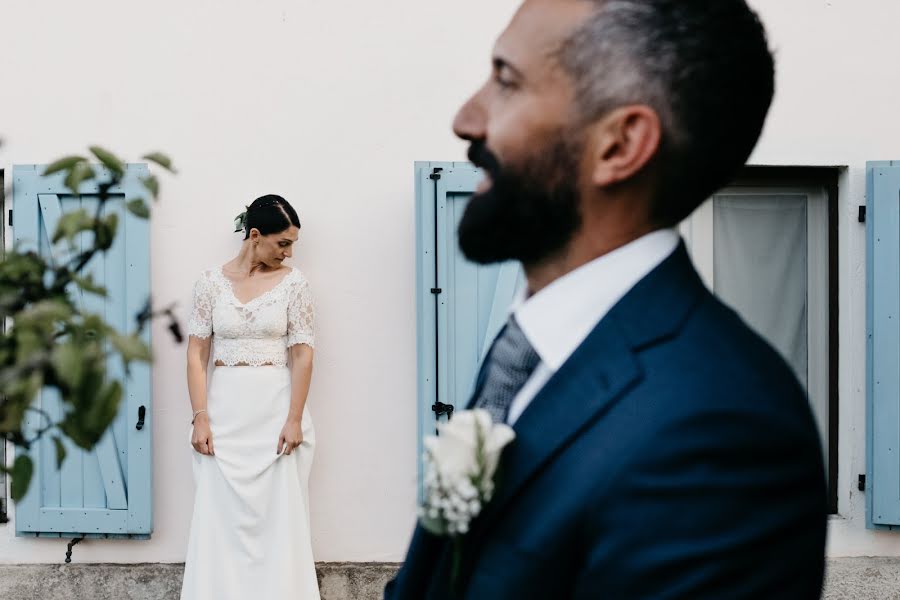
[104,409]
[42,317]
[112,220]
[12,413]
[73,223]
[93,407]
[162,160]
[21,476]
[152,184]
[63,164]
[138,208]
[95,328]
[77,174]
[106,232]
[60,451]
[69,364]
[75,432]
[131,347]
[89,285]
[21,390]
[22,280]
[28,343]
[49,309]
[109,160]
[88,392]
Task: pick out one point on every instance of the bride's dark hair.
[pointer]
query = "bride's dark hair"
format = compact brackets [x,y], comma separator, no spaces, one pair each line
[269,214]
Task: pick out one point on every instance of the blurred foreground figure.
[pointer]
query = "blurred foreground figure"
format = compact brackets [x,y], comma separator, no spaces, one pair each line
[662,449]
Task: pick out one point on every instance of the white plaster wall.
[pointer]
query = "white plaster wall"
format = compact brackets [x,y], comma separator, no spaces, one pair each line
[329,104]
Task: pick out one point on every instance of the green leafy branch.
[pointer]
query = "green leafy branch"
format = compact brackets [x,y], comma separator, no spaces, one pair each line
[53,343]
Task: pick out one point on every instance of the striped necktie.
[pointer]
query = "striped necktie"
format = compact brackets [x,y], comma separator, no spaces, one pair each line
[510,363]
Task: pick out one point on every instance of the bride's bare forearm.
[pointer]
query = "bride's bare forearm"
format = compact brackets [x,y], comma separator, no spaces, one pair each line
[197,364]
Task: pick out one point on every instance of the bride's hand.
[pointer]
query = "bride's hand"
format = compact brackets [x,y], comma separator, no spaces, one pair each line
[201,438]
[291,437]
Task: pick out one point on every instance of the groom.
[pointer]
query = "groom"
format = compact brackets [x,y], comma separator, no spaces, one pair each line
[663,449]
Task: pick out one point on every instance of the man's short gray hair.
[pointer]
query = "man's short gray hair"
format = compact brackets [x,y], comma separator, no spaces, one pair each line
[704,66]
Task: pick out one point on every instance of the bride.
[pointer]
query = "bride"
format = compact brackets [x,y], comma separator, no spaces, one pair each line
[252,434]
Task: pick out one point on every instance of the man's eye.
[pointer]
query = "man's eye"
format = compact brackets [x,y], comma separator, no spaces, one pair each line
[502,81]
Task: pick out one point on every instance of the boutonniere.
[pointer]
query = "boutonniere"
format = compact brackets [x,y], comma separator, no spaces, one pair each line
[460,463]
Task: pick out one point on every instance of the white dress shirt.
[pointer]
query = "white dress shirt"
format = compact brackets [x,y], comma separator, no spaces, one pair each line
[557,319]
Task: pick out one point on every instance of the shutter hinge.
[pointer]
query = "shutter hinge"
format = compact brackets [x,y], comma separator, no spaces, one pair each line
[861,484]
[10,218]
[436,174]
[861,217]
[436,290]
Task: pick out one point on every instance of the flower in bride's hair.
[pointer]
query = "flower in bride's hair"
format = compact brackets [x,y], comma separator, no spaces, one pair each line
[460,464]
[240,221]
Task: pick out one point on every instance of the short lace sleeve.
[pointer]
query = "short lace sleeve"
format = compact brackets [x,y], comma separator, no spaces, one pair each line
[200,323]
[301,314]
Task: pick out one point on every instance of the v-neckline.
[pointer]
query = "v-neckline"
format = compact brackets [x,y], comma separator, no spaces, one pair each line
[230,284]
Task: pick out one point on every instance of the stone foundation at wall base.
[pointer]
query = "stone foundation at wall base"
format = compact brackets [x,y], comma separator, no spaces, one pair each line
[848,579]
[162,581]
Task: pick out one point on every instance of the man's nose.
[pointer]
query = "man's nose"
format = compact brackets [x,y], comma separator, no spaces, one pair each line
[471,122]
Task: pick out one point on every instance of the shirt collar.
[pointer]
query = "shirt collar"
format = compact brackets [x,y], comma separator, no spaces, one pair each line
[557,319]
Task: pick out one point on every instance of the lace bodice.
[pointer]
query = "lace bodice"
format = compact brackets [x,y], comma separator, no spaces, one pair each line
[258,332]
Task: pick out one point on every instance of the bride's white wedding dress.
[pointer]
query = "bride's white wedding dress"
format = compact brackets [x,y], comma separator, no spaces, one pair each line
[250,528]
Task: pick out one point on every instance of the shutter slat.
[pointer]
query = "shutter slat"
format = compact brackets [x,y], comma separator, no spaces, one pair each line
[115,312]
[26,236]
[138,393]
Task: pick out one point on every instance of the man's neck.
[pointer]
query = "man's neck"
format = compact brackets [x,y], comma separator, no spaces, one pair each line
[585,246]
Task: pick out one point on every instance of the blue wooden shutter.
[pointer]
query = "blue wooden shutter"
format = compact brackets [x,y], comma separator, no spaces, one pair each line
[883,343]
[461,306]
[106,492]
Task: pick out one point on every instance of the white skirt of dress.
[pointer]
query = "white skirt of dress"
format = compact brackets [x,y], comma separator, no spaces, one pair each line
[250,533]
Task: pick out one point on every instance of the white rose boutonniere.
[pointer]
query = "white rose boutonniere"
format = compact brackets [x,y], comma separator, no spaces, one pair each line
[460,463]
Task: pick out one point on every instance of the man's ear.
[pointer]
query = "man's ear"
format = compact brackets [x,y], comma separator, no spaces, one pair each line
[622,143]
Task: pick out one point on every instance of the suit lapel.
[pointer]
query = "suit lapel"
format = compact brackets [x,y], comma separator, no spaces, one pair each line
[597,374]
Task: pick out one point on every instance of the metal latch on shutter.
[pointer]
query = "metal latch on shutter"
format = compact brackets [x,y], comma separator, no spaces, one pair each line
[440,408]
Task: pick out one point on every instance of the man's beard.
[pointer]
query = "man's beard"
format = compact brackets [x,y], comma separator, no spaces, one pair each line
[529,213]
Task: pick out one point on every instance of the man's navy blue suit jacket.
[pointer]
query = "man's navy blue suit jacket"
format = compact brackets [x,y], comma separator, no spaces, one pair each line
[673,455]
